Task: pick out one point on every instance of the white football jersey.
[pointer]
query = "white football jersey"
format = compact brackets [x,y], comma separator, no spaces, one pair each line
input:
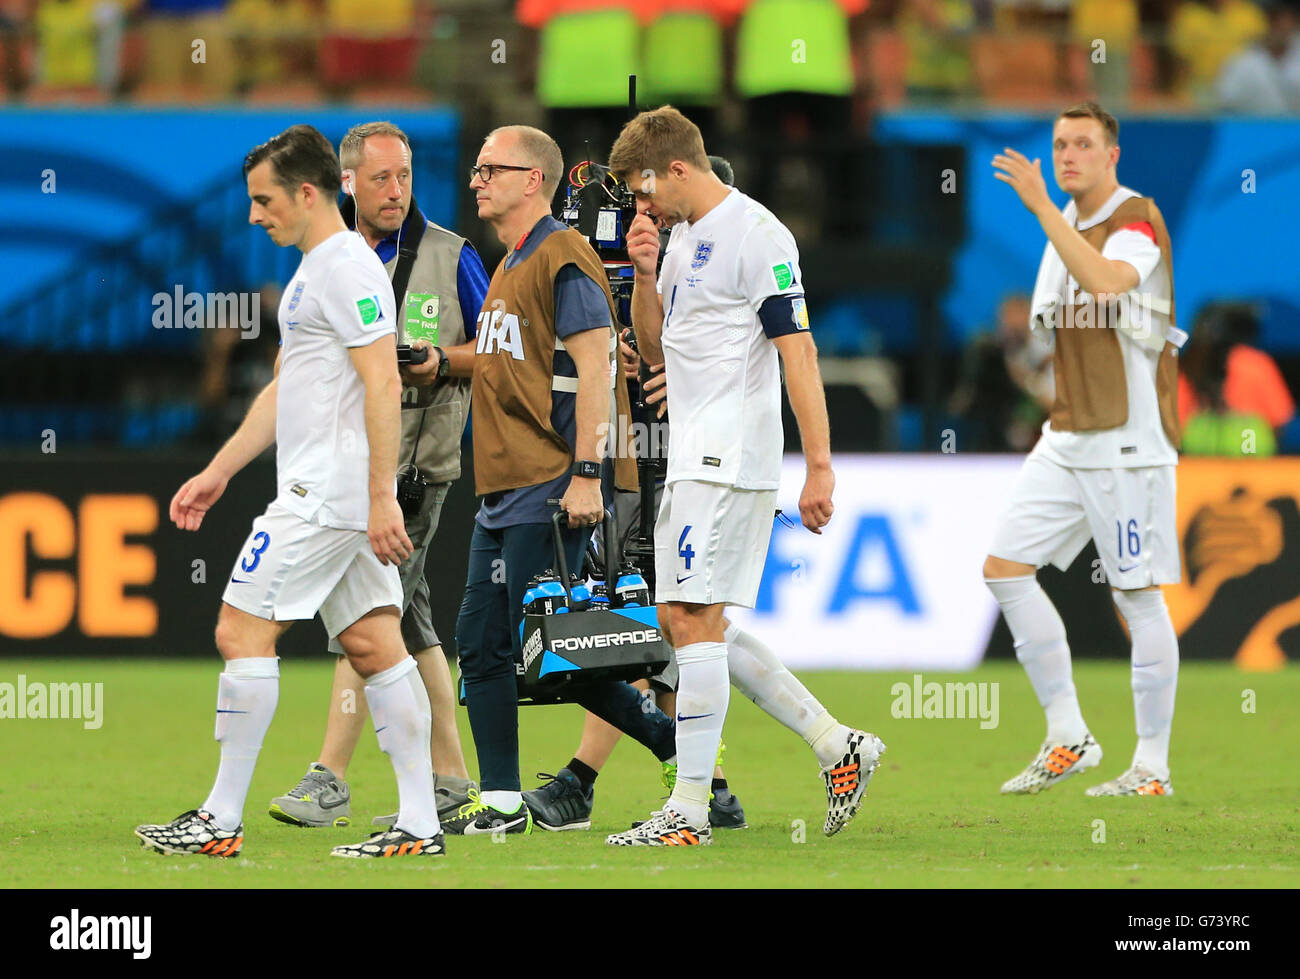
[340,297]
[1141,441]
[723,373]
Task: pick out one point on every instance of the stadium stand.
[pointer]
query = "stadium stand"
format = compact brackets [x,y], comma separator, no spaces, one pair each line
[901,287]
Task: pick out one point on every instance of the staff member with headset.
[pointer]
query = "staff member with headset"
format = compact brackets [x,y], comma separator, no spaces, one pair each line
[439,284]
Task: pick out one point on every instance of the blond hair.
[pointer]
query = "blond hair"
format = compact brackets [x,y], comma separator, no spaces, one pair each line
[354,143]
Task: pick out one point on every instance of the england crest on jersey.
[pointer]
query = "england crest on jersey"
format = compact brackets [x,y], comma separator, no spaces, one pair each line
[297,295]
[703,252]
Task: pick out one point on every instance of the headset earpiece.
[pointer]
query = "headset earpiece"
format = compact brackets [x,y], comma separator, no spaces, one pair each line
[349,180]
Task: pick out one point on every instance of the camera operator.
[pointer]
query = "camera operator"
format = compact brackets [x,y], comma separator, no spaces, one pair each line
[439,284]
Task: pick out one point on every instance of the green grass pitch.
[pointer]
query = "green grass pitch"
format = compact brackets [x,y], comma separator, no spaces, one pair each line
[933,817]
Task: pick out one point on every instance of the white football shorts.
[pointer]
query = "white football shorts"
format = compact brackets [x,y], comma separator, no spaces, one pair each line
[711,542]
[291,569]
[1131,515]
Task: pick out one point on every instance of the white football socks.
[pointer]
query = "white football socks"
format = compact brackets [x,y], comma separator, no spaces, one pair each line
[1039,636]
[247,693]
[703,693]
[1155,675]
[403,720]
[760,675]
[503,800]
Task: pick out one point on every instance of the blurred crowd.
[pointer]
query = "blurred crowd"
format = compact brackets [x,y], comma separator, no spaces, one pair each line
[783,87]
[1238,56]
[1232,398]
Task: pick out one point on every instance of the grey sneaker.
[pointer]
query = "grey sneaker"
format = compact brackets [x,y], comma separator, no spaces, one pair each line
[320,799]
[449,802]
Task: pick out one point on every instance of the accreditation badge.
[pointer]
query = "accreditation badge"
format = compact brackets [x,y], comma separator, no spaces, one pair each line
[421,317]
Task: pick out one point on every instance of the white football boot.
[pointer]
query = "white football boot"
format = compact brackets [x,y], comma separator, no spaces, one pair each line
[1138,780]
[1054,763]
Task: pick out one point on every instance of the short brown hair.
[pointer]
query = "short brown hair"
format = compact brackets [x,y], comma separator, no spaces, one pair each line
[1091,110]
[354,143]
[299,155]
[539,150]
[653,140]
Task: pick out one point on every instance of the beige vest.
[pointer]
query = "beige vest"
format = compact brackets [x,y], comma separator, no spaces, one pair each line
[437,412]
[1091,384]
[515,444]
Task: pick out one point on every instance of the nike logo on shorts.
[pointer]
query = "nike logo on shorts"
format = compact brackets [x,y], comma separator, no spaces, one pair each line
[1129,568]
[687,578]
[692,717]
[240,581]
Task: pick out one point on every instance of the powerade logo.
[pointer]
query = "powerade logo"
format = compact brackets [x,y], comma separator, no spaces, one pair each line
[603,641]
[532,647]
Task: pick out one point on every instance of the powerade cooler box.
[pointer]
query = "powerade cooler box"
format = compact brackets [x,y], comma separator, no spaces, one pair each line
[569,639]
[571,647]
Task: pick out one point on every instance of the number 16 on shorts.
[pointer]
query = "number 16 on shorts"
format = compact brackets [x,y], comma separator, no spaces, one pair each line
[1128,543]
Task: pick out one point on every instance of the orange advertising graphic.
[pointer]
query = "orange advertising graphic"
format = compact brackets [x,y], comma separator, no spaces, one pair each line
[57,565]
[1239,534]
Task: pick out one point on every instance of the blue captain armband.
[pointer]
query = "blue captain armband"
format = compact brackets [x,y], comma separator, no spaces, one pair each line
[783,315]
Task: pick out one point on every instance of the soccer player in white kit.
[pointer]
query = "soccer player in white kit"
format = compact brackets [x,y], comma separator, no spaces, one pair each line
[331,540]
[729,298]
[1104,467]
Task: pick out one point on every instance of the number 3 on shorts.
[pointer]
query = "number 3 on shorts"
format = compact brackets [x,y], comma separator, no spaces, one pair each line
[684,550]
[261,541]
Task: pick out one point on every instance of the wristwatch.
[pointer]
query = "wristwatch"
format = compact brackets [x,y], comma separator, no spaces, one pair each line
[444,365]
[586,469]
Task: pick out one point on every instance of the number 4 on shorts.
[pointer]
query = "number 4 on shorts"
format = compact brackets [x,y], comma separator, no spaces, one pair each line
[684,550]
